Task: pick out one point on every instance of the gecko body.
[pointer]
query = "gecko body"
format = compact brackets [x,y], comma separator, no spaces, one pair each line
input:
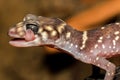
[92,46]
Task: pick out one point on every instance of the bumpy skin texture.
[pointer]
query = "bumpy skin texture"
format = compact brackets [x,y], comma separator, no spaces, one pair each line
[92,46]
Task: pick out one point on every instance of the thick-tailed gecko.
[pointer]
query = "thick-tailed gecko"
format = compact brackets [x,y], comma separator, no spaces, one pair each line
[91,46]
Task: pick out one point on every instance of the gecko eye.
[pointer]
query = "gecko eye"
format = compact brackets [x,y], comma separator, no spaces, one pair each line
[33,27]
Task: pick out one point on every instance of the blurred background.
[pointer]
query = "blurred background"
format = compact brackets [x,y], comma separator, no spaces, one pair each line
[41,63]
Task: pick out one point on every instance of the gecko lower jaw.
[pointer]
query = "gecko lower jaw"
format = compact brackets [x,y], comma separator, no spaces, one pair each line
[21,42]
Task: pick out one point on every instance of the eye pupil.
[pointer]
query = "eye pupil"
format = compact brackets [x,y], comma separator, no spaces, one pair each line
[33,27]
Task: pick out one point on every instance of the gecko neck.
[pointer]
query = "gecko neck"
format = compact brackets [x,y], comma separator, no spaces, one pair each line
[73,43]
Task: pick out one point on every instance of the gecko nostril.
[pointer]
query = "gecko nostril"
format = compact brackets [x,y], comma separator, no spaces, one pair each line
[33,27]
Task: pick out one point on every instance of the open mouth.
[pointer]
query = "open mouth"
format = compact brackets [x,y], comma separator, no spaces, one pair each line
[22,41]
[18,39]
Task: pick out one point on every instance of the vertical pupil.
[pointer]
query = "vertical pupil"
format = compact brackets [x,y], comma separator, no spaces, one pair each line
[33,27]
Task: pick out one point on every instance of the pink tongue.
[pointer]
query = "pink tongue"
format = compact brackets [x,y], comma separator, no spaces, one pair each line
[29,35]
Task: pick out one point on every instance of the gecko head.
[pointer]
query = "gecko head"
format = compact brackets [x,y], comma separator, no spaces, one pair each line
[36,31]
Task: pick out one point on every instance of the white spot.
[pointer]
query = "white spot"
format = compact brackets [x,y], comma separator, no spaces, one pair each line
[71,44]
[57,41]
[112,73]
[90,59]
[110,47]
[85,56]
[101,38]
[103,46]
[116,32]
[108,64]
[117,50]
[76,46]
[99,41]
[98,64]
[97,58]
[114,42]
[108,74]
[113,47]
[108,36]
[83,46]
[44,35]
[117,37]
[117,23]
[85,38]
[102,27]
[96,45]
[91,51]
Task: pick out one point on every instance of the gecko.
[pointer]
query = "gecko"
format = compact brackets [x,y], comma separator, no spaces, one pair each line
[90,46]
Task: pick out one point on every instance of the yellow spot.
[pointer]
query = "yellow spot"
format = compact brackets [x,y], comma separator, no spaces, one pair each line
[40,30]
[20,24]
[21,33]
[84,37]
[49,28]
[53,33]
[19,29]
[61,27]
[68,34]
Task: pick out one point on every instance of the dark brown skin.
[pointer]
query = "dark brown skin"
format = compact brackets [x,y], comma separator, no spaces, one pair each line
[92,47]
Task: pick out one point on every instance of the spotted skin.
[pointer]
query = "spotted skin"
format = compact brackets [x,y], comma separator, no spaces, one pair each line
[92,46]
